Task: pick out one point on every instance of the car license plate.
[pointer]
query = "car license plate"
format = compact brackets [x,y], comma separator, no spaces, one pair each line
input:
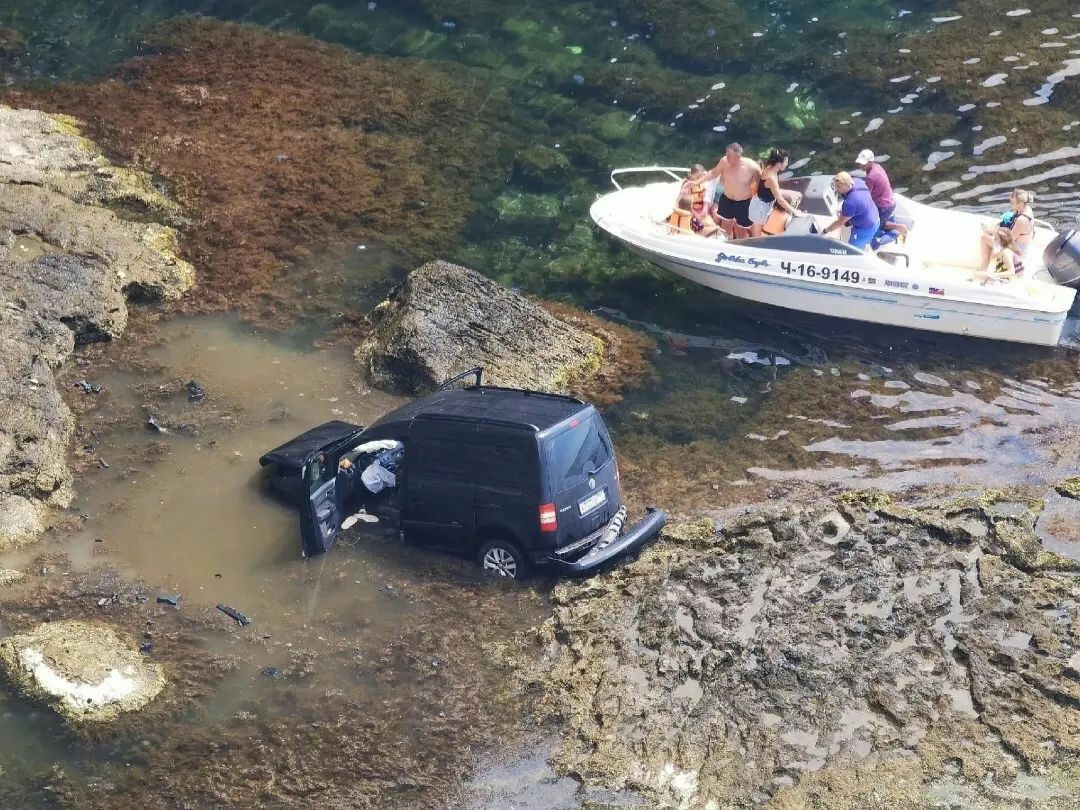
[590,503]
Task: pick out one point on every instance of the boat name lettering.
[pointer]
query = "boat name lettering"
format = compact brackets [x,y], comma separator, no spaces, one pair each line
[903,285]
[752,262]
[818,272]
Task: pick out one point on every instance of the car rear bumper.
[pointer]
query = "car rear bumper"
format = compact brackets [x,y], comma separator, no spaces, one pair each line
[599,555]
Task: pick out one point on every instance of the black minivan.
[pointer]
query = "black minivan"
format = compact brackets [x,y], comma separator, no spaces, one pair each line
[514,478]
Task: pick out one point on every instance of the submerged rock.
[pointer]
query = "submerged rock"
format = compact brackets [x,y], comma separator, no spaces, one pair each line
[844,655]
[68,261]
[86,671]
[1070,487]
[445,319]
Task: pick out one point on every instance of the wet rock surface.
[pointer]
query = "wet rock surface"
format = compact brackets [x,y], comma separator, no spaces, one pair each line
[86,671]
[445,319]
[68,262]
[846,654]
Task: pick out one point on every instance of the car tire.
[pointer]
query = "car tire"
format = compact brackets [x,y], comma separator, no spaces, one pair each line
[501,558]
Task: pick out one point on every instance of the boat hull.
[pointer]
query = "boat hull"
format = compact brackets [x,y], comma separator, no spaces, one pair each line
[949,317]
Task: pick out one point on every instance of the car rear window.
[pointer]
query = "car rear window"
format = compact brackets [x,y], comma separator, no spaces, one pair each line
[578,452]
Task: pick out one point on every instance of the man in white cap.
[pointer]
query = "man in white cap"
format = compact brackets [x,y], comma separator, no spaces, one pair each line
[880,191]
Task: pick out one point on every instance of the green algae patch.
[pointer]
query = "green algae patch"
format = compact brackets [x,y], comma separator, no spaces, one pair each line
[870,499]
[9,576]
[1070,487]
[698,533]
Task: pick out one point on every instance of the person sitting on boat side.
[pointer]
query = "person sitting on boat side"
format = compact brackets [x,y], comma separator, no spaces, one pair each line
[1019,220]
[1004,260]
[877,180]
[769,194]
[858,210]
[738,177]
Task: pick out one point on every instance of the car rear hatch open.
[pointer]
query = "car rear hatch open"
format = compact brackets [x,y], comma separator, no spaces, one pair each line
[296,452]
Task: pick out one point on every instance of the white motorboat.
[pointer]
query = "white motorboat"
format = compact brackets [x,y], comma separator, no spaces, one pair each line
[926,282]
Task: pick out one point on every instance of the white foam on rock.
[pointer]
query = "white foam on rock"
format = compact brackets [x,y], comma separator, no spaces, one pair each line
[115,687]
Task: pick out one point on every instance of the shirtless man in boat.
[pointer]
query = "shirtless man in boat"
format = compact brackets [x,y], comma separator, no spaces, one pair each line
[739,177]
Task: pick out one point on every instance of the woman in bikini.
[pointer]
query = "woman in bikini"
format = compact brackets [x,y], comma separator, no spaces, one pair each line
[1019,220]
[769,194]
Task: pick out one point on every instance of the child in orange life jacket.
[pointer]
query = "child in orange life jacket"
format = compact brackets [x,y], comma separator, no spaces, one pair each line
[691,216]
[679,221]
[694,185]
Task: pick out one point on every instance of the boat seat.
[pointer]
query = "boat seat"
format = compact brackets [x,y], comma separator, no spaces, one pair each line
[800,225]
[779,220]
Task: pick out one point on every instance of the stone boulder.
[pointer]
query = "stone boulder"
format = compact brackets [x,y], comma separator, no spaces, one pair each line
[77,239]
[445,319]
[86,671]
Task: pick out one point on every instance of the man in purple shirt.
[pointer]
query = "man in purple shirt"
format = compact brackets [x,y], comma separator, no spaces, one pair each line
[880,190]
[858,210]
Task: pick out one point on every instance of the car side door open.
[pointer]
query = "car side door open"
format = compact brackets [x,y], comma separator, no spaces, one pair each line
[320,521]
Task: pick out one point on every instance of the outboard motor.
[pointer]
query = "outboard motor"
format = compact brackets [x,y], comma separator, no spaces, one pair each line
[1062,258]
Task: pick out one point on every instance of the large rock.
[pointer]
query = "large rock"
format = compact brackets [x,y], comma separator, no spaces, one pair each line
[445,319]
[842,655]
[69,259]
[86,671]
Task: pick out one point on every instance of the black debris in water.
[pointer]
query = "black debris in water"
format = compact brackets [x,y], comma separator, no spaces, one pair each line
[241,619]
[271,672]
[89,387]
[167,599]
[146,647]
[196,393]
[153,422]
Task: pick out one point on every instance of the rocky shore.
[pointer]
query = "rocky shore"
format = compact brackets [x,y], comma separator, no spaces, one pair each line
[78,237]
[850,653]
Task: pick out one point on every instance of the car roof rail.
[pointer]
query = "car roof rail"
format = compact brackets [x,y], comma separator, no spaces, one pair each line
[474,420]
[477,372]
[532,393]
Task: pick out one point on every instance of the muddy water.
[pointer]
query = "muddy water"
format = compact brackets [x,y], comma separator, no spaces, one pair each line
[196,519]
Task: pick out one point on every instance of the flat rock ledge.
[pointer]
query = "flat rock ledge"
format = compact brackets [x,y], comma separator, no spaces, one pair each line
[445,319]
[86,671]
[850,654]
[78,236]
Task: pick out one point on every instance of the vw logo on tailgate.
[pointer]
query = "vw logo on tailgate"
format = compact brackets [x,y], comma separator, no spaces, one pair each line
[592,483]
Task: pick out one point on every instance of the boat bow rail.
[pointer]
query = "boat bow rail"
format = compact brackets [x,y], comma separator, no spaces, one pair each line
[674,172]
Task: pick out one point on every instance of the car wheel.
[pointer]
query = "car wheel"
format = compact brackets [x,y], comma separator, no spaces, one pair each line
[502,559]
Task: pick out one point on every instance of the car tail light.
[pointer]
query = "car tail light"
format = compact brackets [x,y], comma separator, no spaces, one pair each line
[548,521]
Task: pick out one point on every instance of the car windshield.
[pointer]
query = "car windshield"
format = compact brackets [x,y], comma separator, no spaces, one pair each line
[579,452]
